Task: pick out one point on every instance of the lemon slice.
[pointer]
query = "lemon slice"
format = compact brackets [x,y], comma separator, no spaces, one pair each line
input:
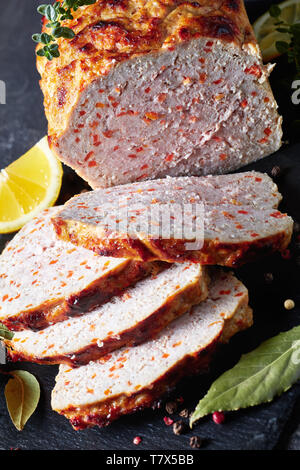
[265,28]
[28,185]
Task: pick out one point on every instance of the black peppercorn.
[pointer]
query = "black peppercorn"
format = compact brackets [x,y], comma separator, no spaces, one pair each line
[171,407]
[179,427]
[276,171]
[195,442]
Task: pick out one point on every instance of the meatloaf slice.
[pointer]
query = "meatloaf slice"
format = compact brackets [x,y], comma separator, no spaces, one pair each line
[235,217]
[134,378]
[44,280]
[147,89]
[139,314]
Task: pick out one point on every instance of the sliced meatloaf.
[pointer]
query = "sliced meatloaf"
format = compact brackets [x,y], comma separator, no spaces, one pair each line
[153,88]
[139,314]
[225,219]
[134,378]
[44,280]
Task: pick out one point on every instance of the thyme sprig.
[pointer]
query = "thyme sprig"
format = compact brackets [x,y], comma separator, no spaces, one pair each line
[292,47]
[56,13]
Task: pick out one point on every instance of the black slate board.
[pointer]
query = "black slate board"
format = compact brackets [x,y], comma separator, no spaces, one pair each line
[272,426]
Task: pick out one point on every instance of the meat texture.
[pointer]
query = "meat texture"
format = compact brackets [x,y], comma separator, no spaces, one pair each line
[132,379]
[226,220]
[44,280]
[139,314]
[153,88]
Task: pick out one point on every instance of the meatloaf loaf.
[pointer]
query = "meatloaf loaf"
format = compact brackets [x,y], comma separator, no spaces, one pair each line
[44,280]
[134,378]
[153,88]
[139,314]
[225,219]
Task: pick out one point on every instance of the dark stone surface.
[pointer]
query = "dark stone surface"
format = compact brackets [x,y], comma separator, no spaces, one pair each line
[272,426]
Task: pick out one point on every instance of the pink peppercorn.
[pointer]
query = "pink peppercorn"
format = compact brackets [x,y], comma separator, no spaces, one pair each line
[168,421]
[218,417]
[137,440]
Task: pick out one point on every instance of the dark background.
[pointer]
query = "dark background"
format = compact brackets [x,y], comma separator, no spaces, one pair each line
[274,425]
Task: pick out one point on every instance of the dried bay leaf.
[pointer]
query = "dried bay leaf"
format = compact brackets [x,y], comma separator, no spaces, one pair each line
[22,393]
[257,378]
[5,333]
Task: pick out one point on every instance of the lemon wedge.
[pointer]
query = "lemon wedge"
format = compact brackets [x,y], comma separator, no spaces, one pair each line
[265,28]
[28,185]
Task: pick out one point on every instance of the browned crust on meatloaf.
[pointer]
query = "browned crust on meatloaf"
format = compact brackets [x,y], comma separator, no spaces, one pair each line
[170,250]
[176,305]
[96,294]
[104,413]
[112,31]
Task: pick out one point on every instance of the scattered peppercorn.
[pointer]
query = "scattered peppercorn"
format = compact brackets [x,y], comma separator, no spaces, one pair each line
[137,440]
[276,171]
[195,442]
[218,417]
[269,278]
[184,413]
[168,421]
[171,407]
[179,427]
[289,304]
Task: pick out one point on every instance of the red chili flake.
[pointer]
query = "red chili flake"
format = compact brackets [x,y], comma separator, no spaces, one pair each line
[239,226]
[147,90]
[254,70]
[169,157]
[168,421]
[152,116]
[218,417]
[225,292]
[82,113]
[5,297]
[278,215]
[266,99]
[132,155]
[144,167]
[137,440]
[108,134]
[268,131]
[253,235]
[223,156]
[162,97]
[77,140]
[201,60]
[100,105]
[89,155]
[53,261]
[263,141]
[254,93]
[202,77]
[116,148]
[165,355]
[242,212]
[239,294]
[244,104]
[92,163]
[101,90]
[139,149]
[209,43]
[217,82]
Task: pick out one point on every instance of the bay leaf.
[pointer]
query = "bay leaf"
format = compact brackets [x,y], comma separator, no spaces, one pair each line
[5,333]
[257,378]
[22,393]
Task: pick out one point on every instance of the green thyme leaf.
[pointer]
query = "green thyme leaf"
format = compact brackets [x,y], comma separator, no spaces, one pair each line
[258,377]
[5,333]
[55,14]
[22,393]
